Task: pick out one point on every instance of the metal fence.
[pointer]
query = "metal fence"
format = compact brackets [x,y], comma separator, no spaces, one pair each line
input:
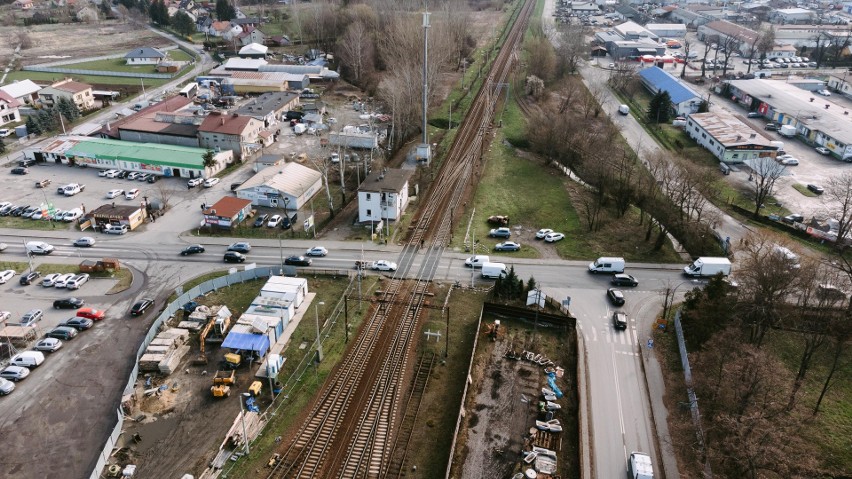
[102,73]
[690,391]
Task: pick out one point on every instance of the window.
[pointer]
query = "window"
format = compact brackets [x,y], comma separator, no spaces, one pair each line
[368,199]
[735,155]
[369,212]
[704,135]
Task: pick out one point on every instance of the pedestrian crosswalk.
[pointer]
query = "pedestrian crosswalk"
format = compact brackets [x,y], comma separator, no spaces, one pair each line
[602,332]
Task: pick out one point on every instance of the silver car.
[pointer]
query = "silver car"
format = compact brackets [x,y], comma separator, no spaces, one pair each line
[6,387]
[15,373]
[48,345]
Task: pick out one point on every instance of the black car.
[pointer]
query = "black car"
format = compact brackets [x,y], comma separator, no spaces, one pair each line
[68,303]
[619,320]
[241,247]
[21,170]
[288,222]
[141,306]
[234,257]
[234,186]
[816,189]
[26,162]
[771,126]
[189,307]
[122,174]
[298,261]
[64,333]
[153,179]
[28,278]
[78,323]
[615,296]
[261,220]
[623,280]
[793,218]
[192,249]
[18,210]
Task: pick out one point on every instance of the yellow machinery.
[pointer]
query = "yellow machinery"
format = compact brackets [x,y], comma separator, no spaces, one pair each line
[222,382]
[255,388]
[202,339]
[232,361]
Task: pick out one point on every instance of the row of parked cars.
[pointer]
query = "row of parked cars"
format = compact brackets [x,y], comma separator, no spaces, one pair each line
[21,364]
[56,280]
[38,213]
[129,175]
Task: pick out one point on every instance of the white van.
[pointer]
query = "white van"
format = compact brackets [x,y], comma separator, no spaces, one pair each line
[606,264]
[39,247]
[27,359]
[494,270]
[477,261]
[624,109]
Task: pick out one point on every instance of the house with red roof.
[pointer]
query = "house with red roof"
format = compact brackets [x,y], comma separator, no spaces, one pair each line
[9,109]
[79,93]
[230,131]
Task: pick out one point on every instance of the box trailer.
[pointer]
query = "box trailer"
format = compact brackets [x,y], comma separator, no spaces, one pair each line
[708,266]
[787,130]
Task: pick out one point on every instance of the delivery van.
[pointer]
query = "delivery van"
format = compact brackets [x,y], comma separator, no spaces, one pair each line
[494,270]
[639,466]
[477,261]
[607,264]
[705,267]
[624,109]
[28,359]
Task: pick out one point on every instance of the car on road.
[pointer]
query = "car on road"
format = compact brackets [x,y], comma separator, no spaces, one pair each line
[50,279]
[15,373]
[274,221]
[261,220]
[824,92]
[500,233]
[131,194]
[553,237]
[507,246]
[77,281]
[85,242]
[20,170]
[622,279]
[383,265]
[211,182]
[48,345]
[141,306]
[771,127]
[6,275]
[823,150]
[234,257]
[114,194]
[192,183]
[240,247]
[298,261]
[68,303]
[27,279]
[6,387]
[63,280]
[816,188]
[91,313]
[619,320]
[78,323]
[790,162]
[65,333]
[754,114]
[192,249]
[316,251]
[615,296]
[793,218]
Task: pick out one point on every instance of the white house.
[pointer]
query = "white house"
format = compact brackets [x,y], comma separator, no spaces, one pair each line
[144,56]
[25,91]
[290,186]
[9,109]
[383,195]
[728,138]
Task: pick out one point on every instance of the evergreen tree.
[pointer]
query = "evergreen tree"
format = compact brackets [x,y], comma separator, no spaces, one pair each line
[183,24]
[704,107]
[531,284]
[224,10]
[659,111]
[104,8]
[208,159]
[163,13]
[46,120]
[2,146]
[33,127]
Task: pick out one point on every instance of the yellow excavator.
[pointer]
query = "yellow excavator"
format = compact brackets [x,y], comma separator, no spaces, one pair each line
[202,340]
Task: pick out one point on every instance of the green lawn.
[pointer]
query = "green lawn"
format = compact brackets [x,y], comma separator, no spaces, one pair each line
[803,190]
[90,79]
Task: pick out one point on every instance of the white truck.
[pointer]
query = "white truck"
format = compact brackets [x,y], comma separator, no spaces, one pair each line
[494,270]
[72,189]
[787,130]
[639,466]
[607,264]
[707,266]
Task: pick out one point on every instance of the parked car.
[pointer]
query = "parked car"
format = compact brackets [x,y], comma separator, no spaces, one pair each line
[152,178]
[68,303]
[623,280]
[192,249]
[298,261]
[48,280]
[383,265]
[78,323]
[112,173]
[85,242]
[754,114]
[77,281]
[141,306]
[261,220]
[234,257]
[615,296]
[116,229]
[91,313]
[5,316]
[15,373]
[114,193]
[789,162]
[64,333]
[48,345]
[554,237]
[192,183]
[507,246]
[27,279]
[793,218]
[316,251]
[6,387]
[63,280]
[240,247]
[236,185]
[144,177]
[211,182]
[274,221]
[619,320]
[823,150]
[42,183]
[542,233]
[816,188]
[824,92]
[31,317]
[771,127]
[500,233]
[6,275]
[131,194]
[20,170]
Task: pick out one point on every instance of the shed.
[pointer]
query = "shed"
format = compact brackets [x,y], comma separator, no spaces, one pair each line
[300,285]
[227,212]
[239,339]
[262,323]
[281,292]
[265,304]
[130,215]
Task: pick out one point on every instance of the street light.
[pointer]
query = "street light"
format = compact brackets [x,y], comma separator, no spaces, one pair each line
[243,397]
[670,294]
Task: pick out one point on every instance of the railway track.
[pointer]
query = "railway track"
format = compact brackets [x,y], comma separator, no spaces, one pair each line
[350,430]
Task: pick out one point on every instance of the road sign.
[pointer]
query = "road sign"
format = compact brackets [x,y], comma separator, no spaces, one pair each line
[650,343]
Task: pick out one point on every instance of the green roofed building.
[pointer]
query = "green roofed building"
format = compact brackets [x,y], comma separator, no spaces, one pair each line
[165,160]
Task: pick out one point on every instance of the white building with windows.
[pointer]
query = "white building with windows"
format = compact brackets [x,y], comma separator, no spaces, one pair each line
[383,195]
[290,186]
[728,138]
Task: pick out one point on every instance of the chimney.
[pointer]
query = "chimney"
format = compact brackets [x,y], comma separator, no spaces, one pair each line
[752,135]
[739,138]
[826,106]
[223,121]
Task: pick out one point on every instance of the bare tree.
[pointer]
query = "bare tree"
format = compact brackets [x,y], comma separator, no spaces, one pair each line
[728,46]
[766,41]
[709,41]
[842,336]
[838,195]
[541,57]
[356,51]
[765,172]
[165,191]
[571,49]
[687,46]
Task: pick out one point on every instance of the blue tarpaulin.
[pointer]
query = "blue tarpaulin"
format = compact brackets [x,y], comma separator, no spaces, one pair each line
[247,342]
[551,381]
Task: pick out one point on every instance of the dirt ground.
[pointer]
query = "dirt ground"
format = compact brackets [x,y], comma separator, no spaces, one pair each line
[77,40]
[503,399]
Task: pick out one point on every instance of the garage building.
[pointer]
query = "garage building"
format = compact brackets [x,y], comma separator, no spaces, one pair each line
[684,99]
[290,186]
[728,138]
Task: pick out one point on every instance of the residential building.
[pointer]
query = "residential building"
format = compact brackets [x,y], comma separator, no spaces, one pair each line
[383,195]
[251,35]
[254,50]
[728,138]
[781,51]
[221,131]
[25,91]
[290,186]
[684,99]
[79,93]
[144,56]
[227,212]
[9,109]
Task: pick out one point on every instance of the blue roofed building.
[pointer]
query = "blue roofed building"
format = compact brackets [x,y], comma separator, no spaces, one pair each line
[684,99]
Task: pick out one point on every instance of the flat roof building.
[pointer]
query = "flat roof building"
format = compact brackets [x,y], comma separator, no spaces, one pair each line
[684,99]
[728,138]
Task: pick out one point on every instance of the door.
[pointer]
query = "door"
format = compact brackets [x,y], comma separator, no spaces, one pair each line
[273,202]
